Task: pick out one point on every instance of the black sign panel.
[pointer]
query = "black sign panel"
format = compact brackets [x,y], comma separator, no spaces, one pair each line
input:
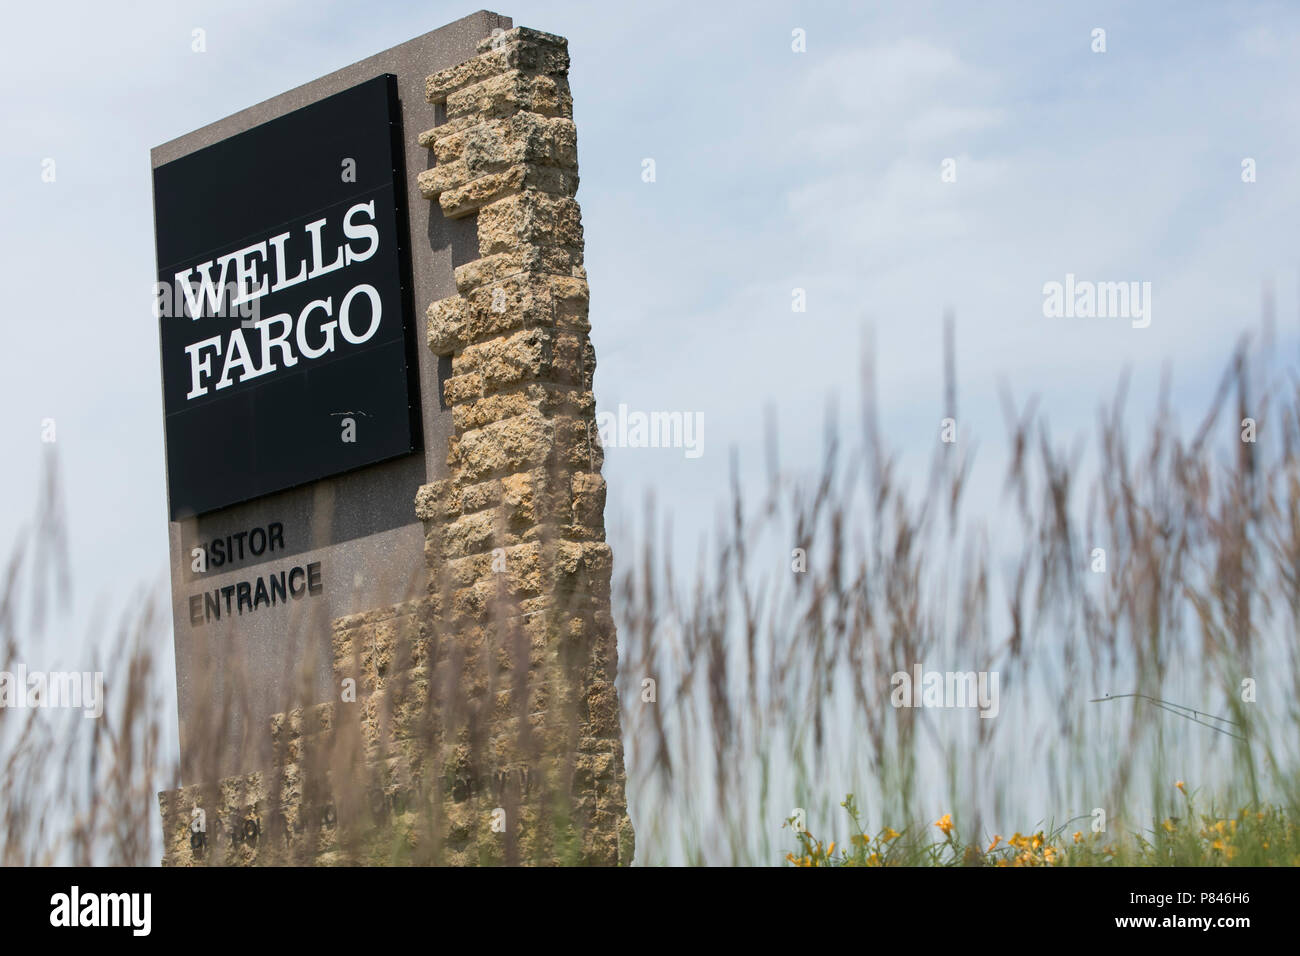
[284,302]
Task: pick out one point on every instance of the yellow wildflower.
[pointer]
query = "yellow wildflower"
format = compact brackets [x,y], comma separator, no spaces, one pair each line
[889,834]
[1078,837]
[996,839]
[944,823]
[1181,787]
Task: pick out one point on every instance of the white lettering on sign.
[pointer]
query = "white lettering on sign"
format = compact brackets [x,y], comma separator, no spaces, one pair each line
[220,361]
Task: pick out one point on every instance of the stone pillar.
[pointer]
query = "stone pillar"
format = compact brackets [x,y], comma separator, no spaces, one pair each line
[516,534]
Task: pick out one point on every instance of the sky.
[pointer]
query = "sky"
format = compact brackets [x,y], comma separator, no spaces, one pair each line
[776,170]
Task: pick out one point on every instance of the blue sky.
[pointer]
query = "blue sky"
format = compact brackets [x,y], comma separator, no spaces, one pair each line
[775,170]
